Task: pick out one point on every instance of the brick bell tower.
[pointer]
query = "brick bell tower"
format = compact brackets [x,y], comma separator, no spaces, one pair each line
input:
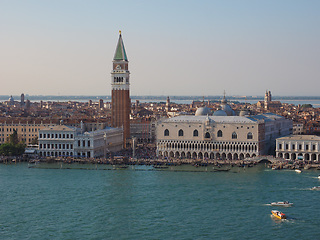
[120,97]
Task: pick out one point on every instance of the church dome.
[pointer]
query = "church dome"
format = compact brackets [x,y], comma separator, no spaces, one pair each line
[219,113]
[243,113]
[227,109]
[202,111]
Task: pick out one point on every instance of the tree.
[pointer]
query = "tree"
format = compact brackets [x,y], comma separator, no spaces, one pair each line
[306,106]
[13,138]
[13,147]
[6,149]
[35,140]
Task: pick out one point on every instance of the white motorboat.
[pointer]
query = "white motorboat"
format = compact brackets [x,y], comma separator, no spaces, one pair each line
[283,204]
[317,188]
[298,170]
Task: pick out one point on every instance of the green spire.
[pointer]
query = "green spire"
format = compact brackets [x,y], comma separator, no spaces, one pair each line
[120,53]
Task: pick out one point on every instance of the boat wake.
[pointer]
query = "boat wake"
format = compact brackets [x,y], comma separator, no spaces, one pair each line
[286,220]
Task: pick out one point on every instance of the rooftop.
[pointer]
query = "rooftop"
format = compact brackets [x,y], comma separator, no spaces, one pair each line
[301,137]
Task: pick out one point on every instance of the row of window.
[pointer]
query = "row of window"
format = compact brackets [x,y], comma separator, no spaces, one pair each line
[207,134]
[56,154]
[64,154]
[299,147]
[55,135]
[55,146]
[22,129]
[23,139]
[83,143]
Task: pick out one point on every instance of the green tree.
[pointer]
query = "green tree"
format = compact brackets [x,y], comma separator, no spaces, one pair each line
[13,138]
[13,147]
[35,140]
[306,106]
[7,149]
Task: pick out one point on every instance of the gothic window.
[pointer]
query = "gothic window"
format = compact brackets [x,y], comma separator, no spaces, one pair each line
[166,132]
[249,135]
[234,135]
[195,133]
[180,133]
[219,134]
[207,135]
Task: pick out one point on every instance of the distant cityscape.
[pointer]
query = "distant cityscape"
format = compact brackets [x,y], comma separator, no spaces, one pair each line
[162,127]
[150,98]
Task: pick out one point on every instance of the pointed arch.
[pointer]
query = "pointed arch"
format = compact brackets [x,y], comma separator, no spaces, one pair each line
[195,133]
[234,135]
[180,133]
[166,132]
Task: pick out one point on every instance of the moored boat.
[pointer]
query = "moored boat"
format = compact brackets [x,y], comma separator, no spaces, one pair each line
[298,170]
[283,204]
[278,214]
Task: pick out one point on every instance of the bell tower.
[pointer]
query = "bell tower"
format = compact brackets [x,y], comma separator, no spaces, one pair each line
[120,97]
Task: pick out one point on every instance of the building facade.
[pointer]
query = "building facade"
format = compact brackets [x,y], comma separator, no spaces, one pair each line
[120,96]
[65,141]
[220,137]
[27,132]
[299,147]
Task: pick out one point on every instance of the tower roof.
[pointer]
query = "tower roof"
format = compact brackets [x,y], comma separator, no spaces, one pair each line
[120,53]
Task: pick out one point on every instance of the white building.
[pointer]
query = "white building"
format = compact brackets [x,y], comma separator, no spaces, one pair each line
[298,147]
[220,137]
[64,140]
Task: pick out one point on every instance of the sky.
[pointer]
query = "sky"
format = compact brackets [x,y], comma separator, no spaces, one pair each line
[201,48]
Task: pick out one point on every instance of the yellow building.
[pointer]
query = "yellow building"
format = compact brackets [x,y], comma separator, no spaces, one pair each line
[26,131]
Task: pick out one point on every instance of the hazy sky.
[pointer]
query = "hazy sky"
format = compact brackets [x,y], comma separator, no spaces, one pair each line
[66,47]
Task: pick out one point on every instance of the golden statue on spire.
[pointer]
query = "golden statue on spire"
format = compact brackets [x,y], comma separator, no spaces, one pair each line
[120,32]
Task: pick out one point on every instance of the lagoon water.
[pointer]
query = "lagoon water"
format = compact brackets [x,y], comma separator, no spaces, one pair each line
[147,204]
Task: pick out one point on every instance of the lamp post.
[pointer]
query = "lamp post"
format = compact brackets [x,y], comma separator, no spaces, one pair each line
[134,147]
[105,145]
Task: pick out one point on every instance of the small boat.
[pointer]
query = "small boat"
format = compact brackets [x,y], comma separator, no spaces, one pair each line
[298,170]
[220,170]
[278,214]
[282,204]
[319,176]
[160,167]
[317,188]
[116,167]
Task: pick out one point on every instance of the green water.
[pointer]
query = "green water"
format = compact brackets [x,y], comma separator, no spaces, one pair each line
[144,204]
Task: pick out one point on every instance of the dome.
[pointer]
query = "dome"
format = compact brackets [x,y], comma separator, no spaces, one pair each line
[227,109]
[219,113]
[243,113]
[202,111]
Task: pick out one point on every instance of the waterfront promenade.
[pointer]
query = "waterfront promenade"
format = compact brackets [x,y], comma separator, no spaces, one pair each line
[269,161]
